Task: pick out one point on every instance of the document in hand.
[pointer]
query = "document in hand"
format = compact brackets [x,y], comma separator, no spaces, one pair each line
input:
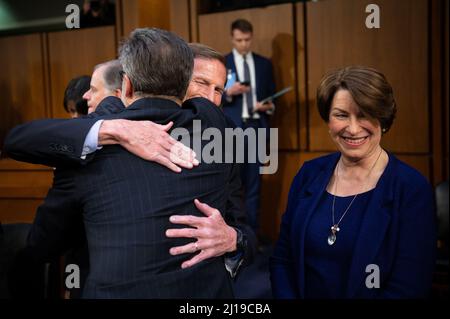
[276,95]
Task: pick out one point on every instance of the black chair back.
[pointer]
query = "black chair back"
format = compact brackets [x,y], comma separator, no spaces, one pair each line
[442,211]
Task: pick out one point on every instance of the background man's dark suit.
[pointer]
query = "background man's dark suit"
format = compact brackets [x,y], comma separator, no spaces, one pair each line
[128,249]
[265,87]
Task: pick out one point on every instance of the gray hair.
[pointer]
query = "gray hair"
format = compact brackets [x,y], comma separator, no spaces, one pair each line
[202,51]
[112,75]
[157,62]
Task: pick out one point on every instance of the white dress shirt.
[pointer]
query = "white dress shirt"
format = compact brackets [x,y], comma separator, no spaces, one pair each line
[239,63]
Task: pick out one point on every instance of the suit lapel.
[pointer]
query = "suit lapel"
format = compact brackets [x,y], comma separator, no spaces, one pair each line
[232,65]
[257,77]
[372,231]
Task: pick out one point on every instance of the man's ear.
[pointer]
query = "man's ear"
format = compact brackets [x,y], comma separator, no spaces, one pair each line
[127,87]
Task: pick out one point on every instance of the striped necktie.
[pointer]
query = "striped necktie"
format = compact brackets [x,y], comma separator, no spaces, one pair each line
[249,94]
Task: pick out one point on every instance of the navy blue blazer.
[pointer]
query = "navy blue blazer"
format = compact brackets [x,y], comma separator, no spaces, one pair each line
[265,87]
[397,233]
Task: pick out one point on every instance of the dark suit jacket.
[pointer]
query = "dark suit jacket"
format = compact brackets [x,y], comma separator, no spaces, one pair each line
[59,143]
[58,224]
[127,202]
[265,87]
[397,233]
[56,142]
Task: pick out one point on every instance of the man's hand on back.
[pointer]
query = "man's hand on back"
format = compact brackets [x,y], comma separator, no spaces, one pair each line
[214,236]
[149,141]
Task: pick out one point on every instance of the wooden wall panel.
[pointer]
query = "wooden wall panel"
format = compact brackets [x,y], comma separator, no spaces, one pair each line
[119,21]
[22,85]
[337,36]
[154,13]
[25,179]
[438,96]
[179,18]
[302,92]
[18,211]
[421,163]
[275,189]
[75,53]
[194,21]
[22,188]
[130,16]
[273,37]
[145,13]
[37,69]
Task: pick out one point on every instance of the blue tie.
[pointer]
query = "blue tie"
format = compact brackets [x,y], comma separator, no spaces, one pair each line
[249,94]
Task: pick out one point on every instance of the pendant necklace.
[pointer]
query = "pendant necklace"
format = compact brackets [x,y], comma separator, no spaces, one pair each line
[335,226]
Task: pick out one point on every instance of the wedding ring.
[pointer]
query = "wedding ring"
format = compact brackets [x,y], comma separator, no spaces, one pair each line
[196,246]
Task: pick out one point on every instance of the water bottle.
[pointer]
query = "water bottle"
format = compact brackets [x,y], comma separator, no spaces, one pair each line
[231,78]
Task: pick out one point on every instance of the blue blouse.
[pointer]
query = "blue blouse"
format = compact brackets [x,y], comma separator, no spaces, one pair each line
[327,267]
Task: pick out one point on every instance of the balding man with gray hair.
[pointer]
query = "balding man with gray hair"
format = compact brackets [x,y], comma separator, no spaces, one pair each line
[106,81]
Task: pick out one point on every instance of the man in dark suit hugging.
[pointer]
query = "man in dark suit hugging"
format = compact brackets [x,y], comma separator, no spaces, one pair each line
[126,201]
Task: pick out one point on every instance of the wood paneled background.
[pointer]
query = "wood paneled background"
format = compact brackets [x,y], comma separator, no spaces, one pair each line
[303,40]
[73,52]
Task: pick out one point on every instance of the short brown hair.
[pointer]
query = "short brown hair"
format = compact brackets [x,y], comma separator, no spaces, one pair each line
[205,52]
[368,87]
[241,25]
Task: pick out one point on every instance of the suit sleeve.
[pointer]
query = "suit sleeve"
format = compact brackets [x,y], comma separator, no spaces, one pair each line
[57,142]
[51,142]
[236,217]
[235,214]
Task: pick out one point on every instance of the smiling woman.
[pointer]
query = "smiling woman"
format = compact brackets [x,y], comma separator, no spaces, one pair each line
[359,106]
[356,135]
[350,211]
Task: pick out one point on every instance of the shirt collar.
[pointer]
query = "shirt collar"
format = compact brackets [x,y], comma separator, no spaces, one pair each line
[236,54]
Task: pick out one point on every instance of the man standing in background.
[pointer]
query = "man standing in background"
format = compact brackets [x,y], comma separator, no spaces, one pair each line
[106,81]
[250,80]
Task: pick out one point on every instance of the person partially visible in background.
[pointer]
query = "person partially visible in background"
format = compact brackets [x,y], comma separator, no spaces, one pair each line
[97,13]
[74,104]
[250,81]
[106,81]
